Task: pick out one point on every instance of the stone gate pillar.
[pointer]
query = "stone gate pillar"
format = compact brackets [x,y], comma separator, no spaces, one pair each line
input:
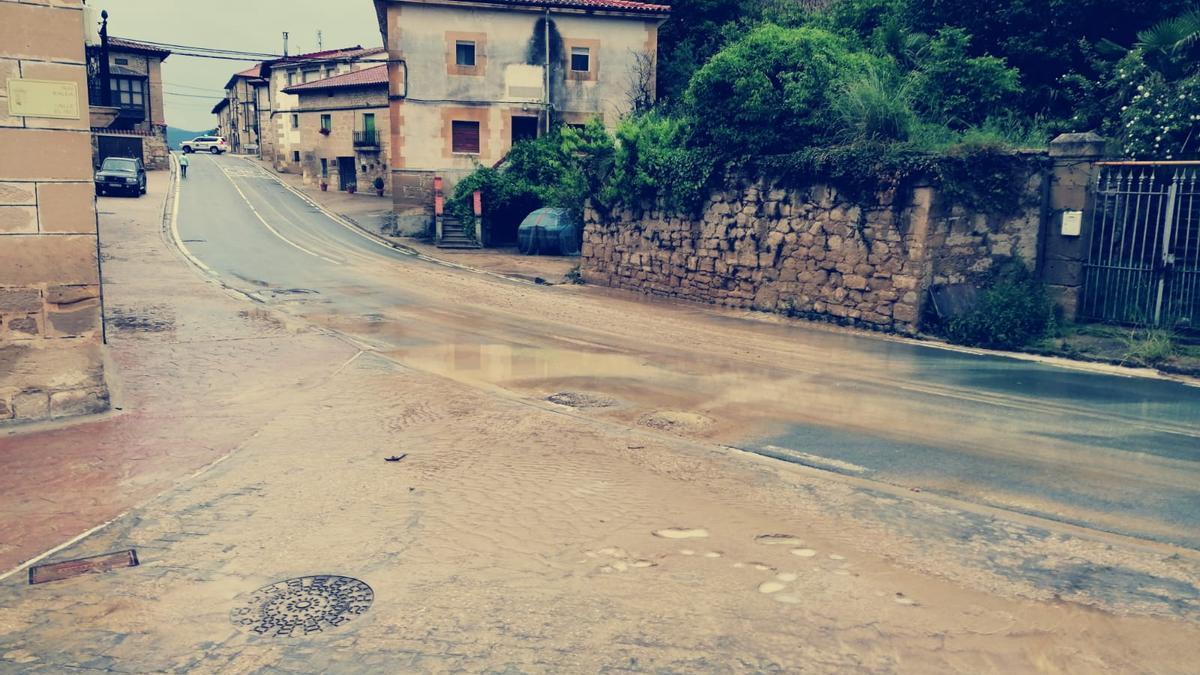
[1065,229]
[50,306]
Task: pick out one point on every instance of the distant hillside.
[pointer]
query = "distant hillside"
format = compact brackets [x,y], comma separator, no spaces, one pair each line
[174,135]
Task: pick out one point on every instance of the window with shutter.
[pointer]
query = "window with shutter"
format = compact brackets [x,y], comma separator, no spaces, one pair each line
[464,137]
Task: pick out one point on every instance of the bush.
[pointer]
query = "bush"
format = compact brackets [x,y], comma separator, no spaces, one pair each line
[653,163]
[1012,312]
[561,169]
[951,87]
[769,92]
[1160,118]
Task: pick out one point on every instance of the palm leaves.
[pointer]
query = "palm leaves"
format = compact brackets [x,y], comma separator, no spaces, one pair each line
[1171,37]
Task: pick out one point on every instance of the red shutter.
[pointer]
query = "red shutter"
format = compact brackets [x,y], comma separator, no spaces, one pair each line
[465,137]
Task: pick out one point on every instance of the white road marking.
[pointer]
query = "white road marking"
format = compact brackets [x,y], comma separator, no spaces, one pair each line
[175,224]
[267,225]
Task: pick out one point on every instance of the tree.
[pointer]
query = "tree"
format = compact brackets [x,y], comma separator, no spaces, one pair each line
[952,88]
[769,92]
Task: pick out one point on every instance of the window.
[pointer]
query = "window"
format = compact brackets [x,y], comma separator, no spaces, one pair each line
[295,155]
[581,59]
[291,74]
[311,75]
[464,53]
[295,121]
[326,123]
[324,168]
[524,128]
[330,71]
[128,92]
[464,137]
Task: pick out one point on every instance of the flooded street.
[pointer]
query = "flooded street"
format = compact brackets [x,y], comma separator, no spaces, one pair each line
[1115,453]
[487,475]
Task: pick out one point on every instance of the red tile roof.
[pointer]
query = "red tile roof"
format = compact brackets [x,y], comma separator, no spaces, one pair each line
[115,42]
[255,71]
[368,77]
[355,52]
[610,5]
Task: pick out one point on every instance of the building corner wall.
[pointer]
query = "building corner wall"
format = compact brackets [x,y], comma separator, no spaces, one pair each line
[51,339]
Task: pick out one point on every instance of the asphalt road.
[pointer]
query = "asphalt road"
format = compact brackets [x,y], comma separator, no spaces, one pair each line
[1114,453]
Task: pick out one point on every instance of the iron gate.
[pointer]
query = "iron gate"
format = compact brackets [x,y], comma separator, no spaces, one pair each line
[1143,264]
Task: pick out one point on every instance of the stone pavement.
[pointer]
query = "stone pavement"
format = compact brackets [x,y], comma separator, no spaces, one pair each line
[514,535]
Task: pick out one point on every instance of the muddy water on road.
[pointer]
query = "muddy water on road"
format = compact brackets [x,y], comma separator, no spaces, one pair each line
[1121,456]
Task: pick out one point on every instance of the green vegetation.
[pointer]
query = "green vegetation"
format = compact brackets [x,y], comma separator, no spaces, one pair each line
[1149,346]
[872,96]
[1012,312]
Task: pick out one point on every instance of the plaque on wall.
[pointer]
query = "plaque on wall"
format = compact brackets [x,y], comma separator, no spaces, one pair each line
[57,99]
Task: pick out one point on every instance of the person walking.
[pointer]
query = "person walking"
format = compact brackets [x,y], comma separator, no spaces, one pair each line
[183,165]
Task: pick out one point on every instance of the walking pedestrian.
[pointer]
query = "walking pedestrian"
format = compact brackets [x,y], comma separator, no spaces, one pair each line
[183,165]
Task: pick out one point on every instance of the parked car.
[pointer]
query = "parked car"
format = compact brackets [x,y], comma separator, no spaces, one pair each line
[123,175]
[214,144]
[549,232]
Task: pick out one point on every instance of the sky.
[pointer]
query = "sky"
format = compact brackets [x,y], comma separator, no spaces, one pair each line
[244,25]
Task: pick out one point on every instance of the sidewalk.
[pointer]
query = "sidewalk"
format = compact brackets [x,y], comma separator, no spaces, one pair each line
[373,214]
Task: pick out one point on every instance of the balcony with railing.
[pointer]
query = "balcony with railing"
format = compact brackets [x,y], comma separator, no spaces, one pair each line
[367,139]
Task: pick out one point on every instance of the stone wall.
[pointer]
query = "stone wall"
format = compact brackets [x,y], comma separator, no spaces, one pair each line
[50,309]
[812,251]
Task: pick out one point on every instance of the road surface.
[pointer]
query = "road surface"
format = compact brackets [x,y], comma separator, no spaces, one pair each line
[1114,453]
[583,480]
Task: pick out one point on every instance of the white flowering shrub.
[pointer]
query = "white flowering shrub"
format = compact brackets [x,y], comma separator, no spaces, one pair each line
[1159,118]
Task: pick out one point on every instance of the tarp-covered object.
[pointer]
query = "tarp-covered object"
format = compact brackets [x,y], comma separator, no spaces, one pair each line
[549,232]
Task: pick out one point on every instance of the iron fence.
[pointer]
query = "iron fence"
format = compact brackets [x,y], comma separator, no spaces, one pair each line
[1143,263]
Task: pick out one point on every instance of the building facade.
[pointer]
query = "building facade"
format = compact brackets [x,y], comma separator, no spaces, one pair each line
[135,92]
[51,335]
[468,79]
[283,120]
[224,121]
[245,95]
[344,132]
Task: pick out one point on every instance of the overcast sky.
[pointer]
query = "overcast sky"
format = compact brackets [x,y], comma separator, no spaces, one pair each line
[245,25]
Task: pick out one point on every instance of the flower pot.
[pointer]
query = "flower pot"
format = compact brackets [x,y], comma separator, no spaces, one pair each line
[351,189]
[379,192]
[324,187]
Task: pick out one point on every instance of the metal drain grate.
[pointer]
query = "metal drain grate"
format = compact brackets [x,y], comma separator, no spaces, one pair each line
[303,606]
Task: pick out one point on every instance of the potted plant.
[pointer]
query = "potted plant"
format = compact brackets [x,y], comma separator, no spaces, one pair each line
[325,131]
[324,185]
[379,185]
[351,188]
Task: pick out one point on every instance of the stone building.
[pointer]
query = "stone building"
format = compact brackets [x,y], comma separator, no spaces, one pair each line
[224,121]
[51,335]
[344,129]
[135,93]
[245,95]
[282,122]
[468,79]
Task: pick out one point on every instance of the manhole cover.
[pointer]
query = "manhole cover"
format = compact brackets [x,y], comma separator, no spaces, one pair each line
[303,606]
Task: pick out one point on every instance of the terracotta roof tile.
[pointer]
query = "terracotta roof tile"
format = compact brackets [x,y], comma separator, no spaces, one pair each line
[355,52]
[115,42]
[613,5]
[368,77]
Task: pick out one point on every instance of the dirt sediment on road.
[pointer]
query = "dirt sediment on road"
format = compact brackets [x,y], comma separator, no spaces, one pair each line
[521,534]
